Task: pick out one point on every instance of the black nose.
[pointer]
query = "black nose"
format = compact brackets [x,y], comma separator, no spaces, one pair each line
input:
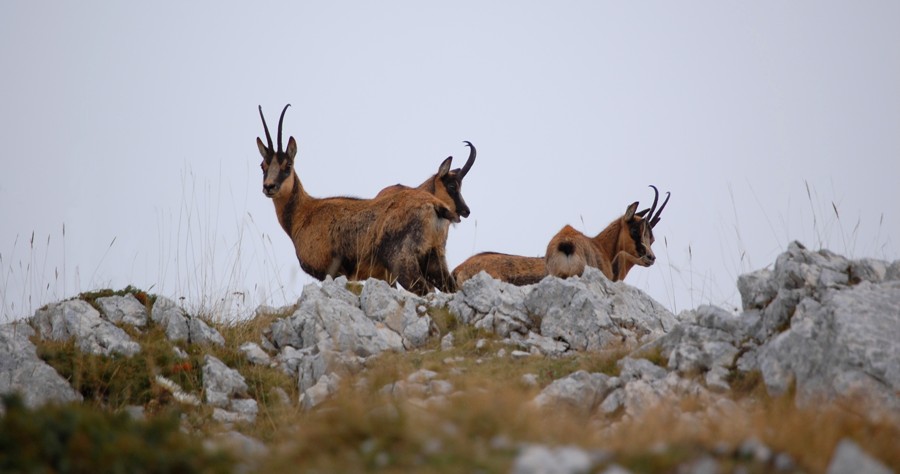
[268,188]
[464,212]
[652,258]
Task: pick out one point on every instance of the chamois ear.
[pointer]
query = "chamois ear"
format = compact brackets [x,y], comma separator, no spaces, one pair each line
[629,213]
[262,148]
[291,148]
[445,167]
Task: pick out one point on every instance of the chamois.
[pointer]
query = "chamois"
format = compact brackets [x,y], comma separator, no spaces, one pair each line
[625,242]
[514,269]
[399,238]
[446,184]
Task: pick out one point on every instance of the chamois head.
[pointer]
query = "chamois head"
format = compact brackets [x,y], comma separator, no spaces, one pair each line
[277,165]
[448,183]
[639,226]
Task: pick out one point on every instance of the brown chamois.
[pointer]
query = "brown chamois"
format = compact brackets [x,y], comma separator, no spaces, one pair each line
[625,242]
[400,238]
[446,184]
[513,269]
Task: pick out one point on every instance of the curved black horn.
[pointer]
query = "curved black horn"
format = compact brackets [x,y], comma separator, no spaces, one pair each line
[655,200]
[280,121]
[655,219]
[266,128]
[469,162]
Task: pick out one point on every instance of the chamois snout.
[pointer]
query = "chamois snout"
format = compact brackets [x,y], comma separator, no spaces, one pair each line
[648,259]
[269,189]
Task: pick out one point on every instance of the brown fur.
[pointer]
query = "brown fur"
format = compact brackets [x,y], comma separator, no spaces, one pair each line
[445,185]
[624,243]
[513,269]
[398,238]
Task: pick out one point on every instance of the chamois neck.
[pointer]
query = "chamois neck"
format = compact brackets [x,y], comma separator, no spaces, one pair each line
[608,239]
[286,203]
[428,186]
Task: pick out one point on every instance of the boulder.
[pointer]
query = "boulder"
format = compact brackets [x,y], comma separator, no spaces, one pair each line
[591,313]
[78,320]
[22,372]
[849,458]
[221,383]
[846,345]
[179,326]
[123,309]
[580,391]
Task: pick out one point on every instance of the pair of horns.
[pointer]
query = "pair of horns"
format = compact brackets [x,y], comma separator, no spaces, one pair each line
[654,219]
[266,127]
[650,217]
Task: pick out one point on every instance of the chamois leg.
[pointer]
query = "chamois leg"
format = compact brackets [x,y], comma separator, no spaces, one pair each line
[410,275]
[622,263]
[434,265]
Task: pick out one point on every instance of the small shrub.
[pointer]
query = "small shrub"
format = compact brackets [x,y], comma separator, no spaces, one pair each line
[76,438]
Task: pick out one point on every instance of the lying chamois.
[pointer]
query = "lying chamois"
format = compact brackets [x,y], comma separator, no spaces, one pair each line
[399,238]
[625,242]
[446,184]
[513,269]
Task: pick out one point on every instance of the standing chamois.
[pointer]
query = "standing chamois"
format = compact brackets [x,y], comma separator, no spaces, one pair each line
[399,238]
[513,269]
[446,184]
[625,242]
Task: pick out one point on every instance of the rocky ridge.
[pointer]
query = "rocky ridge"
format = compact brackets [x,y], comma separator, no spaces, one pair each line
[817,325]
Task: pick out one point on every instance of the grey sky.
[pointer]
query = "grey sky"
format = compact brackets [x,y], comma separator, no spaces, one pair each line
[136,122]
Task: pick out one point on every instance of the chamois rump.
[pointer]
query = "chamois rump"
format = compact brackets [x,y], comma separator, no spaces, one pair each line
[399,238]
[514,269]
[446,184]
[625,242]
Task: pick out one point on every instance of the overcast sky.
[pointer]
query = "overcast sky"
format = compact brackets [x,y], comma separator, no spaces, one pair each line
[132,125]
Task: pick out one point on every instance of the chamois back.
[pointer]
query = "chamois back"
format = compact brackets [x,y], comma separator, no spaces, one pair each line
[513,269]
[446,184]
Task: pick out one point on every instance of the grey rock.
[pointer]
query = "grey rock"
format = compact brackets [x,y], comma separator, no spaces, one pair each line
[493,305]
[123,309]
[847,344]
[706,342]
[247,408]
[398,310]
[893,271]
[326,386]
[580,391]
[529,380]
[180,326]
[757,289]
[868,269]
[329,314]
[76,319]
[201,333]
[221,383]
[591,313]
[849,458]
[540,344]
[447,342]
[22,372]
[539,459]
[255,354]
[168,315]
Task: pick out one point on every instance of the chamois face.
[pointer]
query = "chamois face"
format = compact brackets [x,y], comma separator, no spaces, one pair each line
[277,165]
[639,240]
[448,187]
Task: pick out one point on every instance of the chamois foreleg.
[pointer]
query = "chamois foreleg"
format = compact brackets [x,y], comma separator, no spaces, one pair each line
[622,263]
[434,265]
